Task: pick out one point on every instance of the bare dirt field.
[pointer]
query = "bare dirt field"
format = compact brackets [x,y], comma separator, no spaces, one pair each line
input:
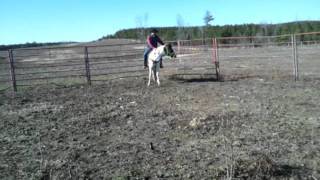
[243,128]
[256,123]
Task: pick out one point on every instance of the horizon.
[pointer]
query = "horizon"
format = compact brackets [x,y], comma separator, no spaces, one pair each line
[83,21]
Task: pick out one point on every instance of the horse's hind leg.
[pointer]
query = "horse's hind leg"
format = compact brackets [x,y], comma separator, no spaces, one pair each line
[154,74]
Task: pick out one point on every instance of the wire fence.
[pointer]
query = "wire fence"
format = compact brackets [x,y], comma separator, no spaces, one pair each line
[271,57]
[274,57]
[95,63]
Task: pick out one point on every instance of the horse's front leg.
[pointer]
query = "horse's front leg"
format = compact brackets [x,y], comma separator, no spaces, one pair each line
[157,71]
[150,73]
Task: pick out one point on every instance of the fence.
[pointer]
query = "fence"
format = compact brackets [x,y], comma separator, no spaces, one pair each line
[274,57]
[96,63]
[308,56]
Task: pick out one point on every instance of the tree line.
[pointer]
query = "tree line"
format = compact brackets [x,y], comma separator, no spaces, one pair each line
[33,44]
[208,31]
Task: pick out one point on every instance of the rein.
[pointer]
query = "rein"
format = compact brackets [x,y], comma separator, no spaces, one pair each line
[155,62]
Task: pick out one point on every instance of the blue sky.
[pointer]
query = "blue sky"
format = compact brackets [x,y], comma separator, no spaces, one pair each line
[86,20]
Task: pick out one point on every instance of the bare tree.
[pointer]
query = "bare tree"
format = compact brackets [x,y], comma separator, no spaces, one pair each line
[180,23]
[141,23]
[208,18]
[146,18]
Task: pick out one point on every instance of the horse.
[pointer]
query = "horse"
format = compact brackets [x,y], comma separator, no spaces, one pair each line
[154,58]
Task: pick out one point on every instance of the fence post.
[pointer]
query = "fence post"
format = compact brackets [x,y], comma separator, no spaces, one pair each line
[297,58]
[87,64]
[294,55]
[216,57]
[12,71]
[214,50]
[179,50]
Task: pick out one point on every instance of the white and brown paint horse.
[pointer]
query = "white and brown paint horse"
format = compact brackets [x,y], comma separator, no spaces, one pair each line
[154,58]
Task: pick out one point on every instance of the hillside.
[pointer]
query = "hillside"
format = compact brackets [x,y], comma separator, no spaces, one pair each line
[33,44]
[102,42]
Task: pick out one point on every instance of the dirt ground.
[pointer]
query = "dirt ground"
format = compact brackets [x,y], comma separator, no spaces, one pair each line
[256,123]
[242,127]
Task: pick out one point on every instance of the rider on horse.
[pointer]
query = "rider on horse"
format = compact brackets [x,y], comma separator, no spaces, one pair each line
[152,43]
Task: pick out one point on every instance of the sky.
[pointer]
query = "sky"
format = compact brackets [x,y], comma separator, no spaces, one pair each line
[24,21]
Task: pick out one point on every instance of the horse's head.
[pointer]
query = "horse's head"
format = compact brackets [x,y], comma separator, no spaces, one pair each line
[169,51]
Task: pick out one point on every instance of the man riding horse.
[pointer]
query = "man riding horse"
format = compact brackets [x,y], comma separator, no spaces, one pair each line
[152,43]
